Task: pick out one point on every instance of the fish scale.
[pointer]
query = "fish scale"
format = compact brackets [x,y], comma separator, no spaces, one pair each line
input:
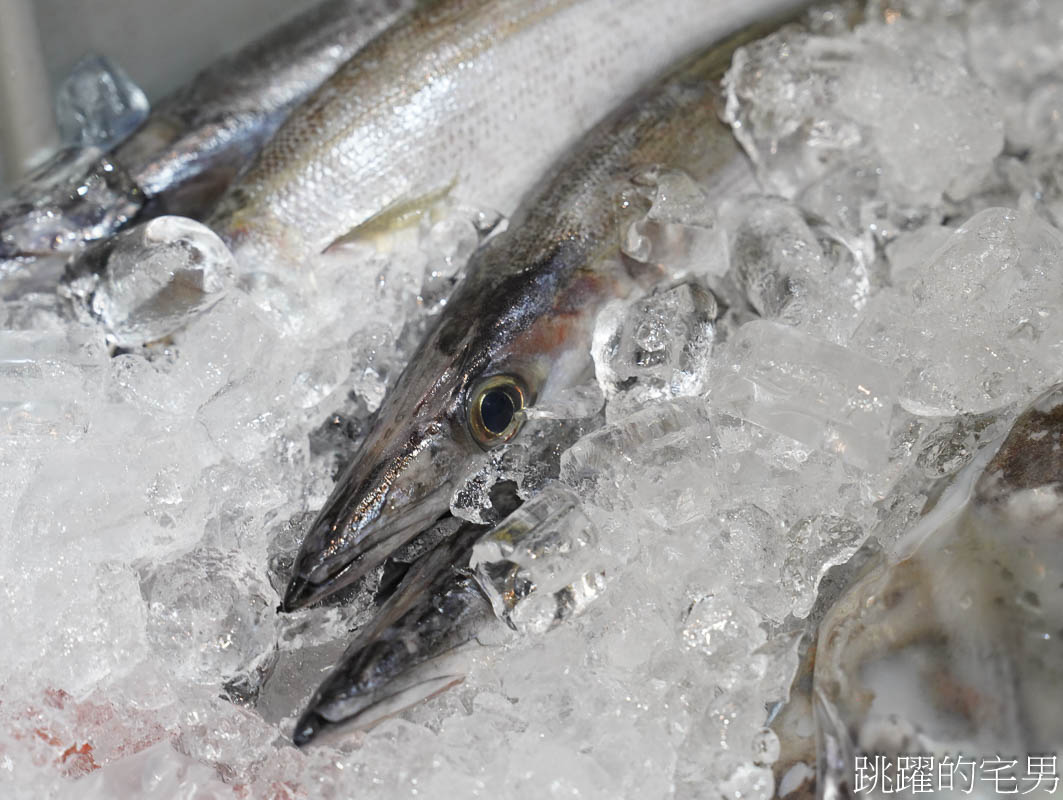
[477,97]
[192,144]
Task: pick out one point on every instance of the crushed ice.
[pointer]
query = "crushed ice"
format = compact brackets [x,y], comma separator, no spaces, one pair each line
[905,261]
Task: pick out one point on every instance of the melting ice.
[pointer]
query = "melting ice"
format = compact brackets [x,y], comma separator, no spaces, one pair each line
[829,349]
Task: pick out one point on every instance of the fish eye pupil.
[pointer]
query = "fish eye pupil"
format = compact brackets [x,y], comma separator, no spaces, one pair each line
[496,411]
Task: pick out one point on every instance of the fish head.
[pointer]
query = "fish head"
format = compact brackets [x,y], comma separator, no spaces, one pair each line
[505,338]
[348,703]
[425,652]
[459,396]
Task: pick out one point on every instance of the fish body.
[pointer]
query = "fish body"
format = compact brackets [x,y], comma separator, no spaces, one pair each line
[199,136]
[194,141]
[468,98]
[517,329]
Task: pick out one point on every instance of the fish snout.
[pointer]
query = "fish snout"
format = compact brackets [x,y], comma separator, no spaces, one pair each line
[378,505]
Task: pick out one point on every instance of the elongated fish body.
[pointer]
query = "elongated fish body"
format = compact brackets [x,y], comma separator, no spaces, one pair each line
[517,329]
[202,133]
[475,98]
[194,140]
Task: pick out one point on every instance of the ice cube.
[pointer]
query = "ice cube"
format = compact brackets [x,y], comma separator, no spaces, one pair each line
[1013,48]
[669,222]
[149,281]
[208,616]
[807,107]
[813,279]
[49,383]
[98,104]
[910,253]
[980,327]
[817,392]
[601,463]
[723,631]
[658,346]
[547,553]
[815,545]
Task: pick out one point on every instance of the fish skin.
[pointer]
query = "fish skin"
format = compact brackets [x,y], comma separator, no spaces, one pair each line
[526,307]
[225,114]
[475,98]
[194,140]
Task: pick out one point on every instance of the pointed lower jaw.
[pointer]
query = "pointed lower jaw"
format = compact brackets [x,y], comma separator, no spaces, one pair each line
[299,594]
[309,725]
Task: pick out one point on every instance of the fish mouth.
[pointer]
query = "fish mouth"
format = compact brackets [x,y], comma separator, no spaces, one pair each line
[315,577]
[370,514]
[315,726]
[420,644]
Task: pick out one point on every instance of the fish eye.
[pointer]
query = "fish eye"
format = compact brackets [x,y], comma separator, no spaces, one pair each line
[494,413]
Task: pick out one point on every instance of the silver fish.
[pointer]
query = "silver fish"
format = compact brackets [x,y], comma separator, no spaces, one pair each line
[472,99]
[194,140]
[517,330]
[408,653]
[529,571]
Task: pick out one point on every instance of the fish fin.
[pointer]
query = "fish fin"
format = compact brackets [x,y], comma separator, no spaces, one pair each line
[395,217]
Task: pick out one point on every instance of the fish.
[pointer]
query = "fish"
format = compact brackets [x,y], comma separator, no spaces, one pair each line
[950,642]
[517,329]
[194,140]
[462,100]
[409,652]
[527,574]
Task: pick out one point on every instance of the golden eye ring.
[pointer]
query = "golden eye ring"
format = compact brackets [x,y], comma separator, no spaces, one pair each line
[495,408]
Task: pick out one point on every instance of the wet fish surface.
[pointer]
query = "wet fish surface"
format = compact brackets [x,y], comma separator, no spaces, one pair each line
[525,572]
[468,98]
[406,654]
[194,140]
[517,329]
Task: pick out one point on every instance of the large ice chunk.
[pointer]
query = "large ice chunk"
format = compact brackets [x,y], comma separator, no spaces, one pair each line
[147,282]
[981,326]
[98,104]
[819,393]
[886,115]
[658,346]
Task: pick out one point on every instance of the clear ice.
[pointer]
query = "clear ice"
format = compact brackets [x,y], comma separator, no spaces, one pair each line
[146,282]
[98,104]
[821,354]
